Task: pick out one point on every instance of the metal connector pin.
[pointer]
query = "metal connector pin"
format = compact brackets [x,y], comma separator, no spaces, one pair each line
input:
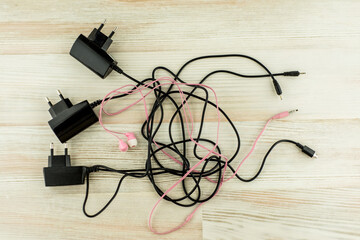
[48,101]
[51,150]
[113,32]
[66,149]
[60,95]
[102,25]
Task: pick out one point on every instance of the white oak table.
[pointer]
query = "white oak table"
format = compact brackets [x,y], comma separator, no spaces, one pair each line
[294,198]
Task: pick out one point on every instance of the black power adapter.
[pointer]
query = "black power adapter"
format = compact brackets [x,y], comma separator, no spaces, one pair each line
[91,51]
[68,120]
[60,172]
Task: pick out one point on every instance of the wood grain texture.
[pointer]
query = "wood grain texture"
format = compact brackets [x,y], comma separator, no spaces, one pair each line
[295,197]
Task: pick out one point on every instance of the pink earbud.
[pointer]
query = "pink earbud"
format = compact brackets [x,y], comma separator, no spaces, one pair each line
[131,139]
[123,146]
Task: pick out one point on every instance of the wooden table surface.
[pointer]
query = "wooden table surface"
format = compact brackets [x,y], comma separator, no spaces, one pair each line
[294,198]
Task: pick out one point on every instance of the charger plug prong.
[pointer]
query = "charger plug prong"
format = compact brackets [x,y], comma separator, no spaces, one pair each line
[66,150]
[102,25]
[48,101]
[51,150]
[60,95]
[113,32]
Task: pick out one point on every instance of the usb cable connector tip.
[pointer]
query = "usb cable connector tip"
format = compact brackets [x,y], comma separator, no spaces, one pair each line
[308,151]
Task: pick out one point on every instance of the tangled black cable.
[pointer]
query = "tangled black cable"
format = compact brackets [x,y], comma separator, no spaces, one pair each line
[213,165]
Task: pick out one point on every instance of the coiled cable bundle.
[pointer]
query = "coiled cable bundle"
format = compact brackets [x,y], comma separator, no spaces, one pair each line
[211,163]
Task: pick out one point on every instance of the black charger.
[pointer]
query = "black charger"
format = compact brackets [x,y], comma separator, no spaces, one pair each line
[92,51]
[60,172]
[68,119]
